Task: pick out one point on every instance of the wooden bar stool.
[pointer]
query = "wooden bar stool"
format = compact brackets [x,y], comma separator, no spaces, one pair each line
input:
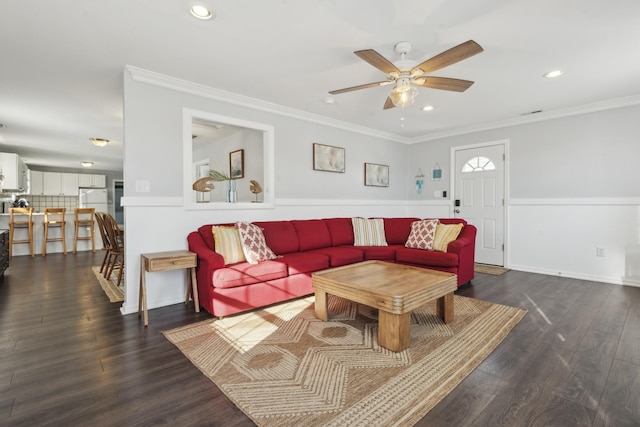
[54,217]
[20,218]
[84,217]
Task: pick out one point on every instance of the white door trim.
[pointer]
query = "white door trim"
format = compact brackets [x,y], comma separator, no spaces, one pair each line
[452,185]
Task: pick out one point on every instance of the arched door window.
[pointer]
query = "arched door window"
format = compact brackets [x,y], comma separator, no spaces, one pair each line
[478,164]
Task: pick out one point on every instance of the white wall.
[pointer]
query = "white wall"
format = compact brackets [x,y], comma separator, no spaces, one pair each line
[157,221]
[573,187]
[564,173]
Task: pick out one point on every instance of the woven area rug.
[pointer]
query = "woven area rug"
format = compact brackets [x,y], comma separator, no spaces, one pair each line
[283,367]
[489,269]
[109,287]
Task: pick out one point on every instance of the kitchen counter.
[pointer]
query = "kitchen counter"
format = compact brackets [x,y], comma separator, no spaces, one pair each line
[52,247]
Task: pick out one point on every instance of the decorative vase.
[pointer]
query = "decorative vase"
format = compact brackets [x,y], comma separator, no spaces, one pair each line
[232,194]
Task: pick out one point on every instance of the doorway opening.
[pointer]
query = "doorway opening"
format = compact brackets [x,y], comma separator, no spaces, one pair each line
[118,192]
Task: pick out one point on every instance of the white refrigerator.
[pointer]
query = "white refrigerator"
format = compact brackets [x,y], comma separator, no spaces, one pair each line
[93,198]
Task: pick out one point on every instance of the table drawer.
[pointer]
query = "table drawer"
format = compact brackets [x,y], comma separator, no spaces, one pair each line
[163,264]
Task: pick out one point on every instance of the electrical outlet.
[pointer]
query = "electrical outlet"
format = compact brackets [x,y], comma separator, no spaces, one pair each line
[143,186]
[600,252]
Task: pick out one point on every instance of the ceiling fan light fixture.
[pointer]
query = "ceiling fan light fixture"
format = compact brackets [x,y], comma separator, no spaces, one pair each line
[403,94]
[99,142]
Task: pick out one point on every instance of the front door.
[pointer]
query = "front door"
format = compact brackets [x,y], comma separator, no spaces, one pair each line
[479,198]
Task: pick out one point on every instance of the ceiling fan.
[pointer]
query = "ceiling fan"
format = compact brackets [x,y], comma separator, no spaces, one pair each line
[406,75]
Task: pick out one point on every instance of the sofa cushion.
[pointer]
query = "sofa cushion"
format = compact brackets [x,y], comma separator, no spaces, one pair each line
[397,229]
[368,232]
[227,241]
[253,245]
[422,234]
[304,262]
[426,258]
[280,236]
[382,253]
[243,274]
[341,231]
[342,255]
[312,234]
[445,234]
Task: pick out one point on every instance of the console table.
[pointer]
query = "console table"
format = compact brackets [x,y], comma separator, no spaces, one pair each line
[165,261]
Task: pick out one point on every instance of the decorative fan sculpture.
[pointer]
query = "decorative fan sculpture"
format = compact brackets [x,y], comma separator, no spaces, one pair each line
[406,75]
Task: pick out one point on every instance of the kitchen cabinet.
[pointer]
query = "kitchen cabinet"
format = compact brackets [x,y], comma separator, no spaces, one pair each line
[15,172]
[36,183]
[60,184]
[87,180]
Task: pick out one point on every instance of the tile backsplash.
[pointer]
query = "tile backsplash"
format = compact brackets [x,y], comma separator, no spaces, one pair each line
[38,203]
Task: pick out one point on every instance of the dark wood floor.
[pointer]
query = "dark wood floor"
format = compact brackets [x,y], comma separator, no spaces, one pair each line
[68,357]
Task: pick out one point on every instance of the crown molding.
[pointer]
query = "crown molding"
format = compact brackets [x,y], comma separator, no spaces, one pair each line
[168,82]
[539,117]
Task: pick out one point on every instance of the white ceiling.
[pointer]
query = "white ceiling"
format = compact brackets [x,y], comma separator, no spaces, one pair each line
[62,62]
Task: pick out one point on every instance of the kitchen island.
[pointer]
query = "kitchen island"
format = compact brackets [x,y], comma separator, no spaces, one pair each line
[52,247]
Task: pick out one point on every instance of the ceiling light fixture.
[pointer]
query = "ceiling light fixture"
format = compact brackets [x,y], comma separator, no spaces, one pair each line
[99,142]
[553,74]
[428,108]
[87,164]
[201,12]
[404,93]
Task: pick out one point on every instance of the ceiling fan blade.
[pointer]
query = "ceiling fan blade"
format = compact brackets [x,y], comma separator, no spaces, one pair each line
[377,60]
[445,83]
[449,57]
[388,104]
[368,85]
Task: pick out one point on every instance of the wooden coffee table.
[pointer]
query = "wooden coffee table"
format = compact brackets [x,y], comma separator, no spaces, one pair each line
[394,289]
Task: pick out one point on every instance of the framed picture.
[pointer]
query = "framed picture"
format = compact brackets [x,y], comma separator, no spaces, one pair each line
[328,158]
[376,175]
[236,164]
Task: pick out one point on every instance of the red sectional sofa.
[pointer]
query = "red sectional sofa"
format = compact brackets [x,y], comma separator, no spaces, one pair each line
[306,246]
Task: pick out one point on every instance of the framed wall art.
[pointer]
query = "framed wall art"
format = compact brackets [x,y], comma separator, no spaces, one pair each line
[376,175]
[328,158]
[236,164]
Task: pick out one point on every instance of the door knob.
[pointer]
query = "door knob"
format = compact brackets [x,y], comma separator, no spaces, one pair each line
[457,211]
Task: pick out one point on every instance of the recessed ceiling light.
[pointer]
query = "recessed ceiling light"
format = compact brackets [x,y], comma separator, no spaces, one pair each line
[428,108]
[201,12]
[87,164]
[329,100]
[553,74]
[99,142]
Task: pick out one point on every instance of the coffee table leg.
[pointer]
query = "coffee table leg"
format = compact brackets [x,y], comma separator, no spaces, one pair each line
[444,307]
[394,330]
[321,305]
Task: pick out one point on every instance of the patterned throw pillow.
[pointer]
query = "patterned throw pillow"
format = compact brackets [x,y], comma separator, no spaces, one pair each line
[228,244]
[422,234]
[368,232]
[253,244]
[445,234]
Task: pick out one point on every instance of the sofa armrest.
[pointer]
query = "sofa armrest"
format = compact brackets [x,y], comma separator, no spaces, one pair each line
[465,247]
[208,262]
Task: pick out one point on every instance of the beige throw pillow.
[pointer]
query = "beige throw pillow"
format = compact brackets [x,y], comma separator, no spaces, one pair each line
[445,234]
[228,244]
[368,232]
